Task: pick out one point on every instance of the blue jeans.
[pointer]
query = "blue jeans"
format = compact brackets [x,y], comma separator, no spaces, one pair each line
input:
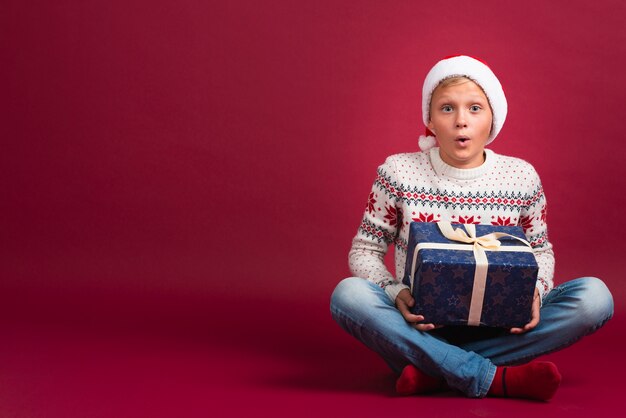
[466,357]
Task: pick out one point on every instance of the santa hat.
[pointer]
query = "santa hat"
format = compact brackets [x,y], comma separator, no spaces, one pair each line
[479,73]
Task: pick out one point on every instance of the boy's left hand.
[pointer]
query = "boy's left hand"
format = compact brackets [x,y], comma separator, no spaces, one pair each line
[534,316]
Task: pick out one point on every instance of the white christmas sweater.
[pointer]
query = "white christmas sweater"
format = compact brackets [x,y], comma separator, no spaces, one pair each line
[421,187]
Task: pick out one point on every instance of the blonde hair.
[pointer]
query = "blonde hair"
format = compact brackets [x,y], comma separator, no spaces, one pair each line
[454,80]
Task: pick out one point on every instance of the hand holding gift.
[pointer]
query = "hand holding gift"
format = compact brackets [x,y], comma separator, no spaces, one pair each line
[404,302]
[534,320]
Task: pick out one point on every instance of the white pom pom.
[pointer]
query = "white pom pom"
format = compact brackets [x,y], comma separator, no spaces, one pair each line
[427,142]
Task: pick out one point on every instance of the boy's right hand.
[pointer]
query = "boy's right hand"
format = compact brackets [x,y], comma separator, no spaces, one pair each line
[404,301]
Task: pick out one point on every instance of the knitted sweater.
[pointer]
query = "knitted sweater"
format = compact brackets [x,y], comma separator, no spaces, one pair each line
[421,187]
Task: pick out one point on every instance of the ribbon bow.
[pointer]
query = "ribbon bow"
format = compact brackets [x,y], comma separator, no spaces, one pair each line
[489,241]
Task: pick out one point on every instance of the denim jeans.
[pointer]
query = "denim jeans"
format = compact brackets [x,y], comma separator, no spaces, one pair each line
[466,357]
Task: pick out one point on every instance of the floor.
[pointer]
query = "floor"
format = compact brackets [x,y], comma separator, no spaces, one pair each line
[190,358]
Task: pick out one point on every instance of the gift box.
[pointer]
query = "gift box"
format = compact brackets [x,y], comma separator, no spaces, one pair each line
[477,275]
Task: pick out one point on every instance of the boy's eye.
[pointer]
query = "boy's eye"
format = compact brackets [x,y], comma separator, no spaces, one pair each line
[446,108]
[475,108]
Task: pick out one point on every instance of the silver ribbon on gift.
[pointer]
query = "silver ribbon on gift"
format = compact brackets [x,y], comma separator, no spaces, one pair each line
[478,245]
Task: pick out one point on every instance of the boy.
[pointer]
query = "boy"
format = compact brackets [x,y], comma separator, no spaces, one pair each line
[463,108]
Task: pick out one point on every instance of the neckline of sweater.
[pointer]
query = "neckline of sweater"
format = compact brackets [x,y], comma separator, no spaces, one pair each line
[445,170]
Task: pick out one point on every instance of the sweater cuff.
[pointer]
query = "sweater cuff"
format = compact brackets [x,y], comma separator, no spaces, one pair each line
[393,289]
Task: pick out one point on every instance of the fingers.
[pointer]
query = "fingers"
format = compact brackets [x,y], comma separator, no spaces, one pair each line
[535,314]
[533,322]
[426,327]
[517,330]
[534,319]
[404,301]
[406,313]
[414,319]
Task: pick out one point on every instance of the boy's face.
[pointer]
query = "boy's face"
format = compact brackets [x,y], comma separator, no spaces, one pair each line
[460,118]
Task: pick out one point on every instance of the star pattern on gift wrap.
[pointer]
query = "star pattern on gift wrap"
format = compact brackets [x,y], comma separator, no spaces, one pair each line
[458,272]
[453,300]
[498,276]
[461,287]
[436,291]
[455,258]
[440,312]
[522,301]
[428,299]
[465,296]
[507,267]
[437,268]
[498,299]
[426,277]
[507,258]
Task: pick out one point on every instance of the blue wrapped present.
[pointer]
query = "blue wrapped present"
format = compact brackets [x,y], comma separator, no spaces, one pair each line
[477,275]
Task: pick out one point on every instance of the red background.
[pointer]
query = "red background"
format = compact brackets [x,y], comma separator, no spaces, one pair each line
[182,181]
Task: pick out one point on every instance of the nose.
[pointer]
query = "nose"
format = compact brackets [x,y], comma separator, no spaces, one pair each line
[461,121]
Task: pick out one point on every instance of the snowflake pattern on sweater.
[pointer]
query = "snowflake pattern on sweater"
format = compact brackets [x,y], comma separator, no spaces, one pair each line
[420,187]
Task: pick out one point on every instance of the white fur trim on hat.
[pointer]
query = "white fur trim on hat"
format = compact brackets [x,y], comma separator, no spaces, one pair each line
[427,142]
[476,71]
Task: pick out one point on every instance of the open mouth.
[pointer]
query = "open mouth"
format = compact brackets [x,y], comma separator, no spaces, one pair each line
[462,139]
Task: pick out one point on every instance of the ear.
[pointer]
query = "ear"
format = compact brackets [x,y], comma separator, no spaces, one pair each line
[431,127]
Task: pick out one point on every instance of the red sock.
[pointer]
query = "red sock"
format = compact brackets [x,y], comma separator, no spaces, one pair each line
[413,381]
[536,380]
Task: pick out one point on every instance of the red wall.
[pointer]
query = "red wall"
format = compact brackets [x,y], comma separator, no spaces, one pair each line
[169,153]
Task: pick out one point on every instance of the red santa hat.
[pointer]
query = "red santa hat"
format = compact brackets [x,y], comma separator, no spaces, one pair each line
[479,73]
